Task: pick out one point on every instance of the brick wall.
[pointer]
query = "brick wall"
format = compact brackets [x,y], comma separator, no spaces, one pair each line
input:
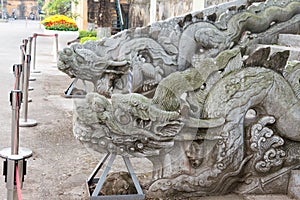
[23,8]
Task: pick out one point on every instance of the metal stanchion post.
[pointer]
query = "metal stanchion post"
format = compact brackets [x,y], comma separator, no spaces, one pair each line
[34,50]
[30,39]
[17,69]
[22,48]
[25,122]
[11,191]
[14,156]
[25,42]
[29,45]
[15,99]
[28,50]
[11,163]
[56,47]
[34,53]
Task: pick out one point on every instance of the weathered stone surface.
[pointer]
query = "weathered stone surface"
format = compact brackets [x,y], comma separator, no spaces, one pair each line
[193,96]
[291,40]
[294,185]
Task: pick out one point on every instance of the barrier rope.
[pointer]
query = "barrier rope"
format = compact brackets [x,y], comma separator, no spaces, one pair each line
[44,35]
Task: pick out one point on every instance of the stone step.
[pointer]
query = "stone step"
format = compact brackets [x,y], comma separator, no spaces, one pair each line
[294,184]
[294,51]
[291,40]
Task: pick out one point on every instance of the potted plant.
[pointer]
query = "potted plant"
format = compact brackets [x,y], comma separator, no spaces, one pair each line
[64,26]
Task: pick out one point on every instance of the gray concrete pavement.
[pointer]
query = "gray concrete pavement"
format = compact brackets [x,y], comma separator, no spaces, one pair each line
[11,35]
[60,164]
[51,141]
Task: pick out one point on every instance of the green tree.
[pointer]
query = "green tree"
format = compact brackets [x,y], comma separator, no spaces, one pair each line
[61,7]
[41,3]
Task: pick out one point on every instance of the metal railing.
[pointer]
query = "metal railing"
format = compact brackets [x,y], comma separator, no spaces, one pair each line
[119,12]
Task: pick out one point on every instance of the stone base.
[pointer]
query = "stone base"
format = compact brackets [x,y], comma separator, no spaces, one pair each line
[27,123]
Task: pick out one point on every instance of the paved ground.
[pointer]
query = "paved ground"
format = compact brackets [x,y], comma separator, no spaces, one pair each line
[60,164]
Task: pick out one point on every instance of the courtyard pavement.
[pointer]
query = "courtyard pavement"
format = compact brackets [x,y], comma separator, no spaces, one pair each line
[60,164]
[51,171]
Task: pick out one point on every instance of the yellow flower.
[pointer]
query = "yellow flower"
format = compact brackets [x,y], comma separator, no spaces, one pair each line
[60,22]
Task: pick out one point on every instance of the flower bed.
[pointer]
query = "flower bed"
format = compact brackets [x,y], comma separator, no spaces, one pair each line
[59,23]
[62,25]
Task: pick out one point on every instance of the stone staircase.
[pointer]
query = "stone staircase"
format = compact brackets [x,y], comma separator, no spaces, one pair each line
[290,42]
[285,42]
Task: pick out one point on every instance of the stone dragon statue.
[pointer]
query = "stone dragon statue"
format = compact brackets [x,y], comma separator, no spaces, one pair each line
[207,107]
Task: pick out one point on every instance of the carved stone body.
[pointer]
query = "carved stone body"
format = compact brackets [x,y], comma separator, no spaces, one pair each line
[212,113]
